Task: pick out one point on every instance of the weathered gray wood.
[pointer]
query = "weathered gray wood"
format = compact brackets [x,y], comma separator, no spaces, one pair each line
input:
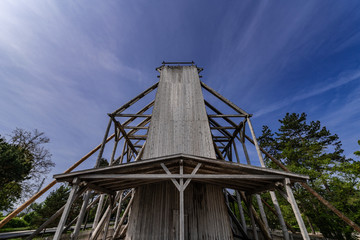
[181,207]
[131,115]
[252,220]
[236,152]
[103,144]
[67,208]
[127,209]
[114,151]
[262,213]
[98,211]
[53,217]
[241,211]
[81,215]
[237,223]
[205,212]
[107,220]
[137,98]
[123,132]
[100,189]
[296,210]
[225,100]
[224,115]
[179,176]
[118,210]
[280,216]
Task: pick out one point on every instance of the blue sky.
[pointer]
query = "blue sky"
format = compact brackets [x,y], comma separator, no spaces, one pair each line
[65,64]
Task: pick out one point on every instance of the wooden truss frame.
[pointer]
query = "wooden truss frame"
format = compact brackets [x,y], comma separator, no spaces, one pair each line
[228,131]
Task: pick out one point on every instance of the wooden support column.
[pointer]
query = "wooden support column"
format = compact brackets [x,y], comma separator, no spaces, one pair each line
[252,220]
[181,186]
[81,216]
[103,144]
[181,208]
[107,219]
[241,211]
[272,194]
[262,213]
[67,209]
[98,211]
[117,230]
[296,210]
[118,210]
[280,216]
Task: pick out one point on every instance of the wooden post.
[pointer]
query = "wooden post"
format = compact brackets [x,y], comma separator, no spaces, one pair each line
[98,211]
[107,220]
[241,211]
[280,216]
[103,143]
[236,152]
[295,208]
[252,220]
[127,209]
[181,209]
[273,196]
[245,151]
[67,209]
[81,215]
[118,210]
[262,213]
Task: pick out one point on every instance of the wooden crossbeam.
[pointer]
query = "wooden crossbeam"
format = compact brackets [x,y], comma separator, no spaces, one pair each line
[100,189]
[137,98]
[222,98]
[219,113]
[131,115]
[225,115]
[123,132]
[181,176]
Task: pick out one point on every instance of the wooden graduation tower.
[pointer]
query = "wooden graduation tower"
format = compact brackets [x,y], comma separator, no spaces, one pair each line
[169,179]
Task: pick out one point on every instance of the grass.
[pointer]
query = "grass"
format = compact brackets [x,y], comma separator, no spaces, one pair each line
[2,230]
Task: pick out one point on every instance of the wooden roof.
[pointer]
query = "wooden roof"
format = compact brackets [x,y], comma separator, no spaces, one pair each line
[218,172]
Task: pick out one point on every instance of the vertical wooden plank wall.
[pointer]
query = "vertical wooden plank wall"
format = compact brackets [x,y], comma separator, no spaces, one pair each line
[179,124]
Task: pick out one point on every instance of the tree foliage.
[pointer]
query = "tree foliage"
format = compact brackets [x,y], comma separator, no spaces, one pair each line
[23,161]
[53,202]
[357,153]
[310,149]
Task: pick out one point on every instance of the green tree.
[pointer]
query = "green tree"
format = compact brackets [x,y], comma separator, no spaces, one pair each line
[15,166]
[53,202]
[357,153]
[310,149]
[23,162]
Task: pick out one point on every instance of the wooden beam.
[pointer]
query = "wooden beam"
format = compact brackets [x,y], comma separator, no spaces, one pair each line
[100,189]
[222,98]
[124,134]
[67,209]
[275,213]
[225,115]
[130,115]
[137,98]
[179,176]
[219,113]
[296,210]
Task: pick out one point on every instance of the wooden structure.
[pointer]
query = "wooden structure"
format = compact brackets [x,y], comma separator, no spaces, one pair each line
[172,160]
[177,168]
[169,179]
[175,163]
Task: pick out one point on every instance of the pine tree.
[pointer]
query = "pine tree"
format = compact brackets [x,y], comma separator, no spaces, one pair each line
[310,149]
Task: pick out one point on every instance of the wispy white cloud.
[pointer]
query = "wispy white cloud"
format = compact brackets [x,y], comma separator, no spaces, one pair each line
[312,91]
